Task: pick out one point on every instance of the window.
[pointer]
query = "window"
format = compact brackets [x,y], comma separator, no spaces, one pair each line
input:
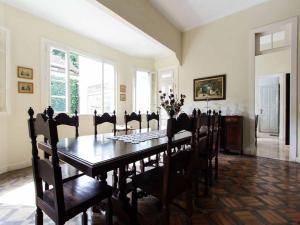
[273,40]
[80,83]
[3,44]
[143,86]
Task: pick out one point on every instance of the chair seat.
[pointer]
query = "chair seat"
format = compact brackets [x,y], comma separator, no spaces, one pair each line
[151,182]
[69,172]
[80,193]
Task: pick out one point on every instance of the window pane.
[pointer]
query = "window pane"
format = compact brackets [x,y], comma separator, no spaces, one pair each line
[265,42]
[58,57]
[74,92]
[143,92]
[279,39]
[58,104]
[74,64]
[58,79]
[90,83]
[109,87]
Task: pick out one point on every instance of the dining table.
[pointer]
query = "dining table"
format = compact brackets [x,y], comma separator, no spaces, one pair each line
[96,155]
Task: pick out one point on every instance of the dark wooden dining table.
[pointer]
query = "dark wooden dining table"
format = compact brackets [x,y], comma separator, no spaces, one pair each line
[97,155]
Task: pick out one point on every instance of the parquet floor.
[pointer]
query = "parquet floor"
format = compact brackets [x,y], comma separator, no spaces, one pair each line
[250,191]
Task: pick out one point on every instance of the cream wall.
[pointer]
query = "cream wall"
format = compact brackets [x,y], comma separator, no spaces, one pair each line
[223,47]
[26,35]
[273,63]
[144,16]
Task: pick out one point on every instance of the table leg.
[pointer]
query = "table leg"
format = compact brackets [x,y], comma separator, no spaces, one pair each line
[123,199]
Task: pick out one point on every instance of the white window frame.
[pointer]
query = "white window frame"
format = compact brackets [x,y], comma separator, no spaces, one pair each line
[46,46]
[134,89]
[6,107]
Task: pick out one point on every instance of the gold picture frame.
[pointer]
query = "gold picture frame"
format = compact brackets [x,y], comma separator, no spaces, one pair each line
[210,88]
[123,88]
[122,97]
[25,87]
[25,73]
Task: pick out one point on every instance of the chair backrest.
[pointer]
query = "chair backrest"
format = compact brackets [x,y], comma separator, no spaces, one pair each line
[45,170]
[132,117]
[105,118]
[178,161]
[65,119]
[214,131]
[152,116]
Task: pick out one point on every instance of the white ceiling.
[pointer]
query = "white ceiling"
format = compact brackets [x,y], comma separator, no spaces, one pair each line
[188,14]
[89,18]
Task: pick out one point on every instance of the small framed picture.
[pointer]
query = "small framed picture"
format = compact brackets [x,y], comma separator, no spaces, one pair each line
[25,87]
[123,88]
[25,73]
[122,97]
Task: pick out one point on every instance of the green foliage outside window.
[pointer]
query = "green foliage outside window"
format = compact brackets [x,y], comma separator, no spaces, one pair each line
[74,89]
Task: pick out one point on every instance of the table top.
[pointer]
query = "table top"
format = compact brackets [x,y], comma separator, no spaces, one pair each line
[93,154]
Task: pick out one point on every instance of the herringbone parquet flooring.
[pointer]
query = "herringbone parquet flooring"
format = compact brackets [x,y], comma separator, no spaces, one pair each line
[250,191]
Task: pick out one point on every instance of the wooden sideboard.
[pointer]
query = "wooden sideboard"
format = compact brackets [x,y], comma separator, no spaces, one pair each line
[232,134]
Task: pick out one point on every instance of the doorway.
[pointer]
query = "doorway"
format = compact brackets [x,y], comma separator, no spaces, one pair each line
[273,65]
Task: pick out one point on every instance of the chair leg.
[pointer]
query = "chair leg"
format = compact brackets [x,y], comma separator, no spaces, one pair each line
[142,166]
[166,215]
[38,216]
[206,182]
[134,201]
[115,179]
[210,172]
[216,167]
[189,202]
[84,218]
[109,213]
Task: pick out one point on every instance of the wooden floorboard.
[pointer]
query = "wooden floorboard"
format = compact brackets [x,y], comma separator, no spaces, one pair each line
[250,191]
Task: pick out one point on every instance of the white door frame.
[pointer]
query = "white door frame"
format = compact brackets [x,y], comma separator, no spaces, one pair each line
[294,155]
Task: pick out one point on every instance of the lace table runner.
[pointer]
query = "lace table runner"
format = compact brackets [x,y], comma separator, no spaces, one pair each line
[140,137]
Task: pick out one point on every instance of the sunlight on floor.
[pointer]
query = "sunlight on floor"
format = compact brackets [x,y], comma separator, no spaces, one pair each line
[270,147]
[23,196]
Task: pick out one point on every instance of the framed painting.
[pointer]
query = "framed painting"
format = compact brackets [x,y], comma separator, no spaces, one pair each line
[122,88]
[25,87]
[210,88]
[25,73]
[122,97]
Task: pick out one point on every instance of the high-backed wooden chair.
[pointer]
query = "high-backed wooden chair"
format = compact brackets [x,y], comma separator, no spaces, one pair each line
[63,119]
[152,116]
[63,200]
[105,118]
[151,162]
[129,118]
[201,151]
[174,178]
[132,117]
[214,143]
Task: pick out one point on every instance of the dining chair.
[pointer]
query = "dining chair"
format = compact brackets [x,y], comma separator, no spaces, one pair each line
[129,118]
[132,117]
[214,143]
[150,162]
[64,199]
[105,118]
[201,152]
[174,178]
[63,119]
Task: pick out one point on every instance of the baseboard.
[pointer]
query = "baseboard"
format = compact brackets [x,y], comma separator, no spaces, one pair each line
[15,166]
